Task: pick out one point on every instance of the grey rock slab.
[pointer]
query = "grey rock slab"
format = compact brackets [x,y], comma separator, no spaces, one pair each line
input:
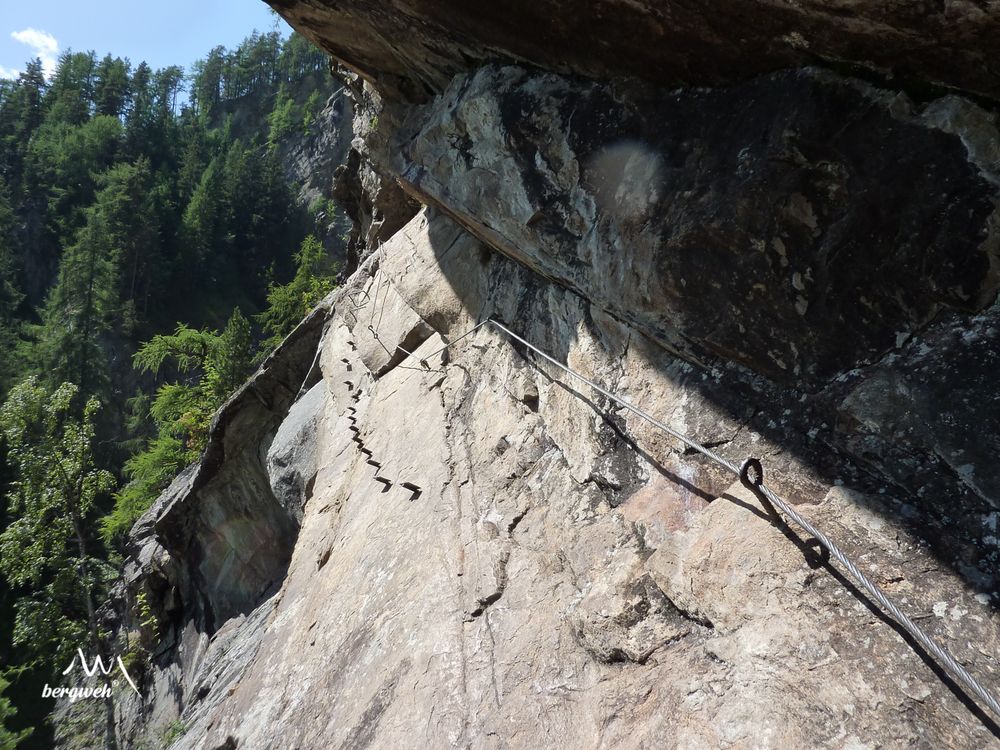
[293,454]
[739,223]
[565,578]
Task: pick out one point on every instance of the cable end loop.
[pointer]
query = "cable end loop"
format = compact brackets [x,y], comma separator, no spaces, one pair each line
[752,474]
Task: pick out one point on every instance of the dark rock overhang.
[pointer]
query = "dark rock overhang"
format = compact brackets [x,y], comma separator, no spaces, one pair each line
[412,48]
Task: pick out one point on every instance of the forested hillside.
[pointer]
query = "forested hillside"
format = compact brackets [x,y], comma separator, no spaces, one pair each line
[152,250]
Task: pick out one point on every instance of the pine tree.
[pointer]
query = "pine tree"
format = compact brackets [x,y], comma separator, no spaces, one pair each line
[21,112]
[80,308]
[10,297]
[71,94]
[215,365]
[105,280]
[231,359]
[202,228]
[112,86]
[206,83]
[127,209]
[62,164]
[287,304]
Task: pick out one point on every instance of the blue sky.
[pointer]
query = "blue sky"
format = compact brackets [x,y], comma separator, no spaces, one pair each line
[161,32]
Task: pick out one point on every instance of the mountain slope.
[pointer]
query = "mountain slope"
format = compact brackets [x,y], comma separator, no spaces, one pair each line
[388,545]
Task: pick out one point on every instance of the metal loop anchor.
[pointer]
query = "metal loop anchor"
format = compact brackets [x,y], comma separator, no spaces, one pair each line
[752,474]
[752,477]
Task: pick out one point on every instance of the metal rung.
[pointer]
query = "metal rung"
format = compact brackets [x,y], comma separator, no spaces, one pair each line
[417,492]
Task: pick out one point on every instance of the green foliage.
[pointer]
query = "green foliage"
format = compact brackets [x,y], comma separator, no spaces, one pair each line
[287,304]
[310,112]
[10,296]
[72,88]
[125,208]
[140,640]
[232,360]
[112,86]
[206,80]
[104,278]
[151,126]
[135,657]
[146,616]
[186,346]
[62,163]
[202,226]
[173,731]
[9,739]
[281,122]
[241,210]
[44,550]
[149,471]
[182,411]
[21,112]
[256,68]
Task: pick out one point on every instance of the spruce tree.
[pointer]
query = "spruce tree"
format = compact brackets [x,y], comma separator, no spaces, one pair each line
[288,303]
[213,365]
[10,296]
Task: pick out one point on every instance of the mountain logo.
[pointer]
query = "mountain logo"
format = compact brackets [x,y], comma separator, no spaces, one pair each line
[89,670]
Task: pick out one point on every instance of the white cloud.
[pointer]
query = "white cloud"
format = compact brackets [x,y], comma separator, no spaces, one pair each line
[11,73]
[44,45]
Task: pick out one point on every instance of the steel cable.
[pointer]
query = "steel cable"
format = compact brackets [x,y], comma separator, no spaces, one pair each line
[755,483]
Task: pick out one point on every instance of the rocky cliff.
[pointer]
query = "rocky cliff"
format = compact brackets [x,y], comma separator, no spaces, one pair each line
[773,226]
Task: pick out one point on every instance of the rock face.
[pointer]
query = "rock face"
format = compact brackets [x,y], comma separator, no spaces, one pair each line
[489,557]
[218,541]
[772,238]
[373,200]
[415,47]
[311,159]
[391,543]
